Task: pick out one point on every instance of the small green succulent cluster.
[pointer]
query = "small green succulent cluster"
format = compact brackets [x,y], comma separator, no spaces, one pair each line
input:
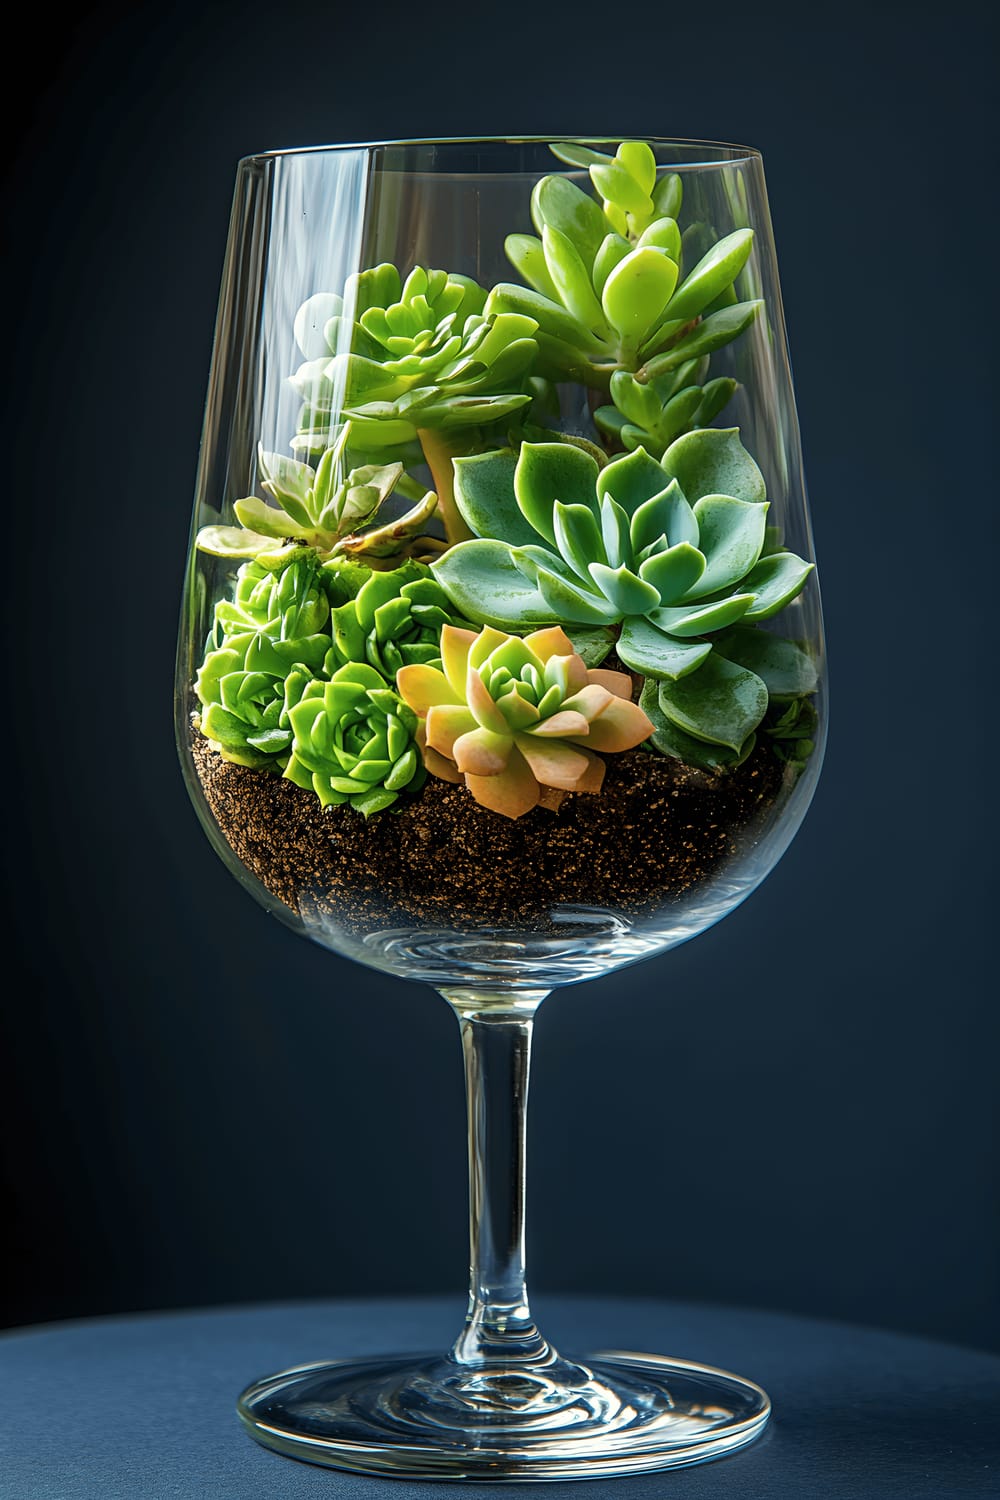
[665,557]
[299,674]
[394,358]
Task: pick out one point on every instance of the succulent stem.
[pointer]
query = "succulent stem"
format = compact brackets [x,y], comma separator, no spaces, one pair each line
[439,455]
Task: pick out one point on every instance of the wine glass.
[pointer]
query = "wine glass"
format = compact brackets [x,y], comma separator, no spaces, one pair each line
[422,347]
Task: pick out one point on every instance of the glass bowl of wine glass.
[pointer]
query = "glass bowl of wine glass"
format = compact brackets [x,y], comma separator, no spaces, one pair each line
[501,666]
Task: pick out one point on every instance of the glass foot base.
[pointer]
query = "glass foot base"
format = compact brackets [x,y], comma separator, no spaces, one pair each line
[429,1417]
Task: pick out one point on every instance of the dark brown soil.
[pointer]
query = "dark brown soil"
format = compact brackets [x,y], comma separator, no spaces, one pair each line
[656,829]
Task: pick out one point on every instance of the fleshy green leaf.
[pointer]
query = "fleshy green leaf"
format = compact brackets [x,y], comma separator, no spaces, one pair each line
[785,668]
[713,273]
[631,481]
[613,250]
[720,702]
[526,255]
[664,235]
[232,541]
[637,290]
[713,461]
[775,581]
[629,594]
[568,602]
[670,740]
[482,581]
[572,281]
[311,320]
[577,536]
[551,318]
[668,195]
[713,332]
[700,619]
[647,650]
[562,205]
[731,534]
[547,472]
[592,646]
[674,572]
[666,514]
[484,494]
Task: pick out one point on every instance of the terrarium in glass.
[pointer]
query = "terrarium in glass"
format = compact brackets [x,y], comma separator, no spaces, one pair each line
[501,665]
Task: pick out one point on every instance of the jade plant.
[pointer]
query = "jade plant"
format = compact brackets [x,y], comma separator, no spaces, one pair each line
[431,581]
[520,719]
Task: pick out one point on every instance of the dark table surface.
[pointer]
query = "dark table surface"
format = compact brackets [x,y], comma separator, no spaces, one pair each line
[142,1408]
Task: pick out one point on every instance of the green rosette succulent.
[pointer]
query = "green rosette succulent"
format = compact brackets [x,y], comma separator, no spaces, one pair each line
[519,720]
[394,620]
[650,414]
[604,280]
[322,508]
[398,358]
[266,644]
[668,554]
[353,741]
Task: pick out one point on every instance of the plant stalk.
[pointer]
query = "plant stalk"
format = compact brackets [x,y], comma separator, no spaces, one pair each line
[439,456]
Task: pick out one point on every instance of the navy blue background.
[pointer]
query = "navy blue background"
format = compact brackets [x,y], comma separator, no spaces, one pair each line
[797,1110]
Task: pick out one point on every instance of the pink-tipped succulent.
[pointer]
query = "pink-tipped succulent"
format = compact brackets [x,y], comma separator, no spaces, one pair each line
[519,719]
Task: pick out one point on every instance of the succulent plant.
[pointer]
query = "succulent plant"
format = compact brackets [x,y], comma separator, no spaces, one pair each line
[394,620]
[353,741]
[396,358]
[604,283]
[321,508]
[245,713]
[266,643]
[519,719]
[624,547]
[650,414]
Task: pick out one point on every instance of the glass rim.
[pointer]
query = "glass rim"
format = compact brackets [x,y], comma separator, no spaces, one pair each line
[742,153]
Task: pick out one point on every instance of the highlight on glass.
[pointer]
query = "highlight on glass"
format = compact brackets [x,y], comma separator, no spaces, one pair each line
[501,666]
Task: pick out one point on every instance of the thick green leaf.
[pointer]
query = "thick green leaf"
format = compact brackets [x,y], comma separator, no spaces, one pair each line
[484,494]
[639,402]
[710,334]
[547,472]
[713,273]
[469,411]
[576,155]
[775,581]
[572,281]
[664,235]
[591,645]
[526,255]
[615,534]
[482,581]
[668,195]
[614,248]
[572,604]
[720,702]
[256,515]
[631,481]
[578,537]
[647,650]
[674,572]
[688,620]
[636,291]
[785,668]
[559,203]
[670,740]
[550,316]
[714,396]
[713,461]
[231,541]
[615,182]
[666,514]
[638,160]
[629,594]
[731,534]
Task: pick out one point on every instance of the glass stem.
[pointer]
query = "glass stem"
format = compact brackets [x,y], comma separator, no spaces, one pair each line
[496,1041]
